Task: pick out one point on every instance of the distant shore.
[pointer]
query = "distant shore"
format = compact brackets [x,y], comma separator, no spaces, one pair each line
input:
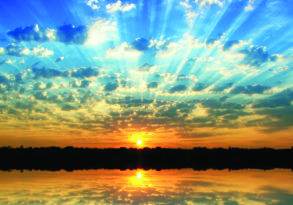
[72,158]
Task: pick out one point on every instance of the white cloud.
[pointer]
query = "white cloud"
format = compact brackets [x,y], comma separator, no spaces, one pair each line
[42,52]
[186,43]
[172,49]
[102,108]
[214,57]
[249,6]
[155,43]
[37,51]
[9,61]
[123,51]
[119,6]
[101,31]
[51,34]
[2,51]
[198,111]
[94,4]
[189,13]
[203,3]
[25,51]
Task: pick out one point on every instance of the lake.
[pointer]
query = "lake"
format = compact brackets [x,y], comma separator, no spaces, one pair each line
[182,186]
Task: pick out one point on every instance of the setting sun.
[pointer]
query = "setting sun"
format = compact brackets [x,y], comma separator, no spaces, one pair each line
[139,142]
[140,139]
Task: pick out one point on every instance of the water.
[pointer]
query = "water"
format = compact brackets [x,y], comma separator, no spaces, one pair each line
[185,186]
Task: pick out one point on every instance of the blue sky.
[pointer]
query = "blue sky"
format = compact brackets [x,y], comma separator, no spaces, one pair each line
[208,71]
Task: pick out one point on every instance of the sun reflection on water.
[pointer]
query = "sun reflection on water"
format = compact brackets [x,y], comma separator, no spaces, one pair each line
[147,187]
[140,179]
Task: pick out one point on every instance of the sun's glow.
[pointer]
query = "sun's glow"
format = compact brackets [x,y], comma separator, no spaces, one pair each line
[139,138]
[139,179]
[139,175]
[139,142]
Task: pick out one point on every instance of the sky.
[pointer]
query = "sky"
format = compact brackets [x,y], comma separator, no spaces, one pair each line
[168,73]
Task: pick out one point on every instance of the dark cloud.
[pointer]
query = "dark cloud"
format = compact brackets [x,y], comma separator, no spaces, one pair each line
[69,106]
[29,33]
[66,33]
[284,196]
[222,87]
[131,101]
[145,67]
[199,87]
[250,89]
[283,98]
[72,34]
[84,72]
[140,44]
[111,86]
[40,95]
[13,50]
[59,59]
[75,73]
[23,104]
[230,43]
[177,88]
[221,104]
[47,72]
[256,55]
[85,83]
[276,119]
[153,85]
[3,80]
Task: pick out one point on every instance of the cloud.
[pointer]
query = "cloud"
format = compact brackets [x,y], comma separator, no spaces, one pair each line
[140,44]
[157,43]
[190,14]
[256,55]
[101,31]
[66,33]
[84,72]
[19,51]
[14,50]
[42,52]
[153,85]
[147,68]
[46,72]
[29,33]
[2,51]
[199,111]
[204,3]
[123,51]
[199,86]
[93,4]
[283,98]
[250,89]
[178,88]
[111,86]
[3,79]
[69,106]
[72,34]
[59,59]
[222,87]
[119,6]
[249,6]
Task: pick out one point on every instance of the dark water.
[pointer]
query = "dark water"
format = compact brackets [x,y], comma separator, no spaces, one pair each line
[247,187]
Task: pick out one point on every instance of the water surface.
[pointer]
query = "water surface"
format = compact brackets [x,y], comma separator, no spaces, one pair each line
[183,186]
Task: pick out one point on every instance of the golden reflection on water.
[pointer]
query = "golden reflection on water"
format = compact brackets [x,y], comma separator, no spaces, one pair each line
[186,186]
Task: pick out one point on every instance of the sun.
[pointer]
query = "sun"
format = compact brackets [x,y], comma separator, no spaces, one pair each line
[139,142]
[139,139]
